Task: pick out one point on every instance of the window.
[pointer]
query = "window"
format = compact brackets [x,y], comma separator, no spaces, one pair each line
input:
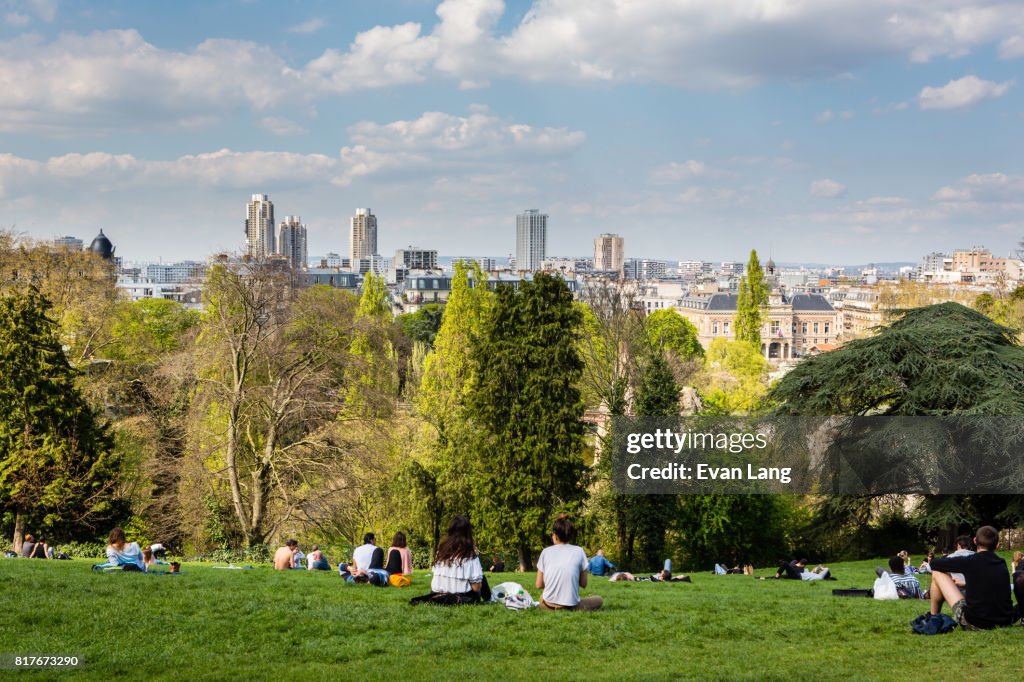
[826,330]
[803,328]
[437,284]
[776,328]
[714,327]
[815,329]
[725,328]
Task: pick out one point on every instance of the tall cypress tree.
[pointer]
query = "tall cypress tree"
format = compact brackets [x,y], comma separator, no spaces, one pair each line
[751,300]
[525,406]
[656,396]
[57,460]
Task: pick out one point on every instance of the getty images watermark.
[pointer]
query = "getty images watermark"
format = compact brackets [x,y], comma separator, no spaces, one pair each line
[800,455]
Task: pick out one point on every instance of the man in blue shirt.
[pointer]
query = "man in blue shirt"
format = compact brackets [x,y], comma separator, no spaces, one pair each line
[599,565]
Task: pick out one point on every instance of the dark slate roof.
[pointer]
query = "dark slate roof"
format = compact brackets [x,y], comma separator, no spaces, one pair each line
[722,302]
[102,246]
[810,302]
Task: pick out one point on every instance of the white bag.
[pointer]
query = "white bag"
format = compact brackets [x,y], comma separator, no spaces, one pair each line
[885,588]
[520,601]
[500,592]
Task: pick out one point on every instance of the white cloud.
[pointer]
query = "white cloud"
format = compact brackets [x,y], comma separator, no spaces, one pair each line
[828,189]
[440,140]
[677,172]
[988,188]
[961,93]
[825,116]
[17,20]
[91,81]
[311,26]
[281,126]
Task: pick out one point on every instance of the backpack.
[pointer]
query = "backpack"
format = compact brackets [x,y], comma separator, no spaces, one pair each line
[932,624]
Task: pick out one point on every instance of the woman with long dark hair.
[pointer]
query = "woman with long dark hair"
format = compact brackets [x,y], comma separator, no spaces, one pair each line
[458,576]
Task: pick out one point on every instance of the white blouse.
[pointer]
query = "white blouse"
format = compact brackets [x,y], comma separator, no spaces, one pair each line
[455,578]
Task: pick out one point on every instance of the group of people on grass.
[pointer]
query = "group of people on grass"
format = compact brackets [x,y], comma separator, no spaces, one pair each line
[370,563]
[31,548]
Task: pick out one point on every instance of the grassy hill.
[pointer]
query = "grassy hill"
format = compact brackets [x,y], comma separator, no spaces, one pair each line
[258,624]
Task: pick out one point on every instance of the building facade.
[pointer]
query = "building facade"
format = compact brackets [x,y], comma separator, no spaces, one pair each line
[259,227]
[531,240]
[362,236]
[609,253]
[415,258]
[292,242]
[791,325]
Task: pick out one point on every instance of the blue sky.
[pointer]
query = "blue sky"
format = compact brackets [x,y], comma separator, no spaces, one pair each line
[845,131]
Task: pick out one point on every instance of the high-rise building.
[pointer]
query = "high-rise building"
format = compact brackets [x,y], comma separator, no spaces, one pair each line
[291,241]
[531,239]
[259,227]
[362,236]
[609,253]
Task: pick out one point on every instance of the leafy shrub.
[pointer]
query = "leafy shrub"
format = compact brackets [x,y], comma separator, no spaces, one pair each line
[83,550]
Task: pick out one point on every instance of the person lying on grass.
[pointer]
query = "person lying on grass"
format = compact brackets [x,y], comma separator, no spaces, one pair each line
[797,570]
[987,604]
[123,553]
[458,575]
[562,571]
[907,586]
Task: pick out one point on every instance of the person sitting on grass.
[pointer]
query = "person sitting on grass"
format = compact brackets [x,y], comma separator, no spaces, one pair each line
[1015,562]
[28,546]
[284,557]
[907,586]
[316,560]
[926,565]
[122,553]
[908,565]
[562,571]
[599,565]
[963,548]
[797,570]
[497,565]
[399,556]
[622,576]
[367,555]
[987,604]
[458,575]
[41,550]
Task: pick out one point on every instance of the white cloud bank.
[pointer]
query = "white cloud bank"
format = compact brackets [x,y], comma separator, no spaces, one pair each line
[828,189]
[109,78]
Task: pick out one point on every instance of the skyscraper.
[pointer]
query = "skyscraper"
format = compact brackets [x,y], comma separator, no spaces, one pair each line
[362,237]
[259,227]
[291,241]
[609,253]
[531,239]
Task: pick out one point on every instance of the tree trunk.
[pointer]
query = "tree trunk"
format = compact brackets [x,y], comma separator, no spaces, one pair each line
[19,531]
[525,558]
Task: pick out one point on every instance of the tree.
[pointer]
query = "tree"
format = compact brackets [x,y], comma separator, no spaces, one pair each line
[734,379]
[58,467]
[751,301]
[669,331]
[273,367]
[939,360]
[525,462]
[651,515]
[424,324]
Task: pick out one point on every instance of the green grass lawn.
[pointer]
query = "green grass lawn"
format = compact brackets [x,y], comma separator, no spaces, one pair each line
[258,624]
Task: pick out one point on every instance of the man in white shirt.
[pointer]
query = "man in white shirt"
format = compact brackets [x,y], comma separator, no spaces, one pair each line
[362,556]
[562,571]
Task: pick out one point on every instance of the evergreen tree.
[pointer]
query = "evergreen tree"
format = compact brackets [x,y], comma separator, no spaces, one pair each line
[751,300]
[524,405]
[656,396]
[58,466]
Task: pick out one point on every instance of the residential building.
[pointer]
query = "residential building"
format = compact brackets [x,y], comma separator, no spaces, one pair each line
[415,258]
[531,240]
[175,273]
[609,253]
[331,277]
[291,241]
[651,269]
[259,227]
[362,238]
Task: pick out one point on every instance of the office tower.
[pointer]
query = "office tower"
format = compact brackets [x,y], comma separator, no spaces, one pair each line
[651,269]
[259,227]
[415,258]
[291,241]
[531,239]
[609,253]
[362,237]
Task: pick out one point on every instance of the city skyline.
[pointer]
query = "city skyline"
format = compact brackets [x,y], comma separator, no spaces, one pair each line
[865,131]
